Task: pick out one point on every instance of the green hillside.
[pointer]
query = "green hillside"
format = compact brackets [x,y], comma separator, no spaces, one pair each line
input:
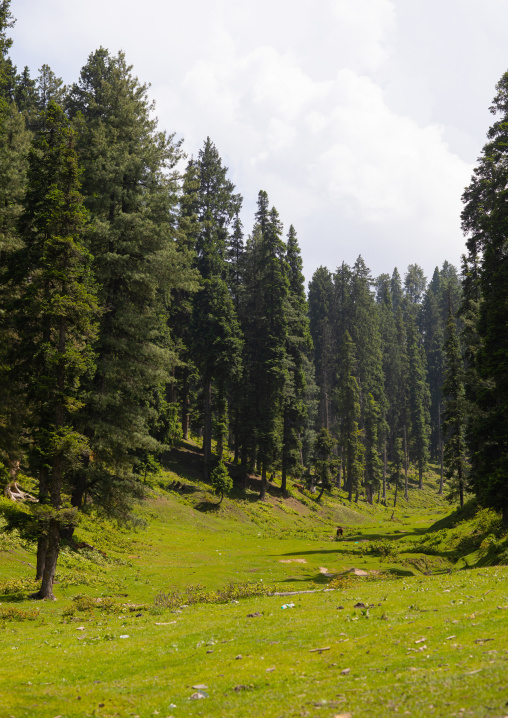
[153,610]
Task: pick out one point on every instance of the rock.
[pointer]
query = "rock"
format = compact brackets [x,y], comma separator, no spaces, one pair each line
[197,695]
[340,608]
[269,670]
[358,572]
[345,672]
[359,605]
[238,657]
[253,615]
[200,687]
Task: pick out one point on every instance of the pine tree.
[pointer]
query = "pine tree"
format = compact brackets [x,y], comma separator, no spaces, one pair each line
[398,465]
[323,448]
[14,147]
[373,464]
[485,222]
[181,305]
[321,300]
[298,345]
[216,208]
[130,188]
[55,320]
[418,401]
[454,415]
[348,413]
[271,370]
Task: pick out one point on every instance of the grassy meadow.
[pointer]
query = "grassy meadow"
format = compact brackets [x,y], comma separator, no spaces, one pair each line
[407,614]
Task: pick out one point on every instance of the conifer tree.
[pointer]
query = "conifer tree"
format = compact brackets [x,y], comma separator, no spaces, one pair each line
[418,401]
[55,319]
[454,415]
[298,344]
[216,206]
[348,414]
[398,466]
[373,464]
[131,193]
[485,222]
[271,370]
[323,448]
[14,147]
[321,300]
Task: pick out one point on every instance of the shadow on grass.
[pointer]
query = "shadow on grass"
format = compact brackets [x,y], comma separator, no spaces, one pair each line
[207,506]
[13,597]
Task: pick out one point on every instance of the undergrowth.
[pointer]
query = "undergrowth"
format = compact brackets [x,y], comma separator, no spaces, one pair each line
[198,594]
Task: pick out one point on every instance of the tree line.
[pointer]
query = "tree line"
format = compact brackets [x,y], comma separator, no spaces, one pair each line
[135,310]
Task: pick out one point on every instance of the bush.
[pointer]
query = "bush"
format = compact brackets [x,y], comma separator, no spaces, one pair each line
[198,594]
[221,480]
[384,548]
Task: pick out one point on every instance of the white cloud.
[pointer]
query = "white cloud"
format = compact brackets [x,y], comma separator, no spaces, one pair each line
[299,99]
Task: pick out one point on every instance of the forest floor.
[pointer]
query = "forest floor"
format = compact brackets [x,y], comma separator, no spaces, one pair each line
[174,618]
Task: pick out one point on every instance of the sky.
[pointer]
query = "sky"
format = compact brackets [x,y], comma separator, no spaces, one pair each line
[361,119]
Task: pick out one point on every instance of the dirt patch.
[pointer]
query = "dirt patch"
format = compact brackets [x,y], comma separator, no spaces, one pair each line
[292,560]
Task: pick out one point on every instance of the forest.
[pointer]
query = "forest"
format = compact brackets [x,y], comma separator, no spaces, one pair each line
[136,310]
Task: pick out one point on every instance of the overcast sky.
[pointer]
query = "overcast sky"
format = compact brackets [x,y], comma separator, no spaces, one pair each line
[362,119]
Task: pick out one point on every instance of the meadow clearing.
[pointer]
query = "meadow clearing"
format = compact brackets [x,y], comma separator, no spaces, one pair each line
[405,615]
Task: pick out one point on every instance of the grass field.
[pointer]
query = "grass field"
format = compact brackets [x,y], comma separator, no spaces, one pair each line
[181,603]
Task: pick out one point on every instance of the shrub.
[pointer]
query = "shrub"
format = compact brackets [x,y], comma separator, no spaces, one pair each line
[198,594]
[384,548]
[221,480]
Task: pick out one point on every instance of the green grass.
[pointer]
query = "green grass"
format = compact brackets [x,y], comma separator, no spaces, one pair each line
[422,645]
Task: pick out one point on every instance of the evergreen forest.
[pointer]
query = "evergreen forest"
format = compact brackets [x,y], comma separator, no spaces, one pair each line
[137,311]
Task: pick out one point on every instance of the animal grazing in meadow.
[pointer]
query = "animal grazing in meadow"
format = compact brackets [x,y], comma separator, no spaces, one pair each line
[340,531]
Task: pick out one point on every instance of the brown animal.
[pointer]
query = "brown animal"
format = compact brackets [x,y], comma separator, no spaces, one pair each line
[340,531]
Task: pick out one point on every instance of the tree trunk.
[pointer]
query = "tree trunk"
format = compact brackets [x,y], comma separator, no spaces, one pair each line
[283,486]
[441,481]
[395,497]
[42,548]
[262,493]
[461,486]
[406,495]
[53,549]
[384,474]
[185,404]
[321,492]
[237,431]
[42,541]
[420,474]
[207,428]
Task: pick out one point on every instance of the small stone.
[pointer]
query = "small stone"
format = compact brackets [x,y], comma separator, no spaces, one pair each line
[197,695]
[200,687]
[359,605]
[209,651]
[269,670]
[238,657]
[253,615]
[345,672]
[340,608]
